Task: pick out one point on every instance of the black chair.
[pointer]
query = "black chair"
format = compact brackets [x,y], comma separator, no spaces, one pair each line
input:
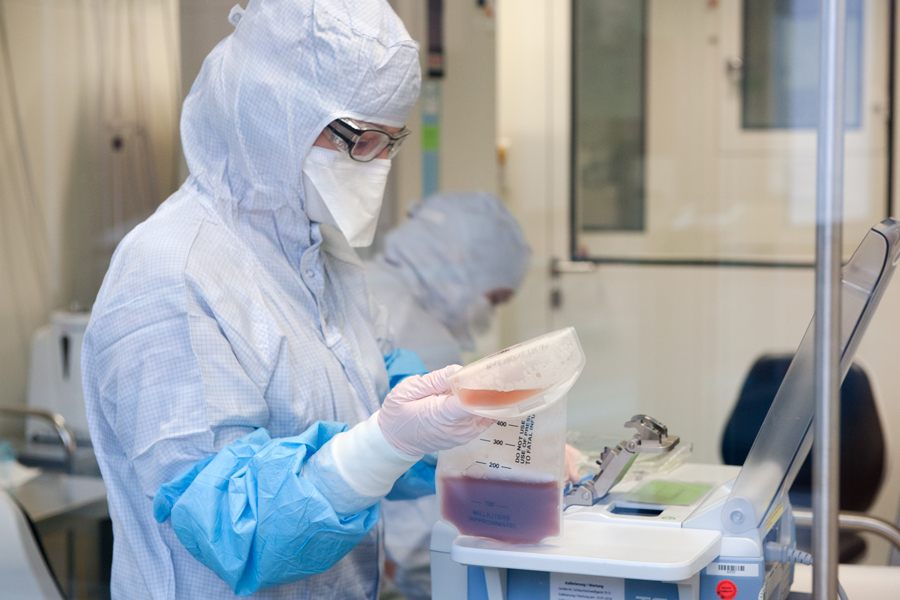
[862,443]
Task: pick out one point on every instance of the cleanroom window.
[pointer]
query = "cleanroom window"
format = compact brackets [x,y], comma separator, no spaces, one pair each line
[781,64]
[693,129]
[608,114]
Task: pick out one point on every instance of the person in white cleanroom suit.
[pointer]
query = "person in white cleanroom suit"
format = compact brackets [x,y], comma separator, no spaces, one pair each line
[234,369]
[441,274]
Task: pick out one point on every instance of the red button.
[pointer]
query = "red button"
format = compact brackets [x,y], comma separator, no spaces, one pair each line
[726,590]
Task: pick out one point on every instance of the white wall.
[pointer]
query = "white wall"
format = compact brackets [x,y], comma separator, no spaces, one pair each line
[468,107]
[468,157]
[532,123]
[83,72]
[203,24]
[673,342]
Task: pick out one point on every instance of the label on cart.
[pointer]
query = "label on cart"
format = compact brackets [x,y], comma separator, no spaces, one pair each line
[566,586]
[733,570]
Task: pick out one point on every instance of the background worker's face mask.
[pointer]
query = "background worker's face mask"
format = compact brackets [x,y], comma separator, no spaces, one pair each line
[475,321]
[345,193]
[480,316]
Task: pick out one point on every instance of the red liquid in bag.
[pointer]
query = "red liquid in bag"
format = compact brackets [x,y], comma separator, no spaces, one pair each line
[510,511]
[492,398]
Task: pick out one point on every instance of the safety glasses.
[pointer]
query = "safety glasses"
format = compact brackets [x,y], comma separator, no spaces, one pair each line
[364,142]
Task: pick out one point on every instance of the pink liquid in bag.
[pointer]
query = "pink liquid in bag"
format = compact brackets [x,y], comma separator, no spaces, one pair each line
[509,511]
[492,398]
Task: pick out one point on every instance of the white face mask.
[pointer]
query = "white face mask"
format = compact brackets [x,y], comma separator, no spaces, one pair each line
[345,193]
[481,313]
[476,321]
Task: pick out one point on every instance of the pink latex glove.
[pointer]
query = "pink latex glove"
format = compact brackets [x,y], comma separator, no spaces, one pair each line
[572,455]
[420,416]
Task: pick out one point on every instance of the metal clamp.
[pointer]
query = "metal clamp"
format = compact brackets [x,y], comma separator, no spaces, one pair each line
[652,437]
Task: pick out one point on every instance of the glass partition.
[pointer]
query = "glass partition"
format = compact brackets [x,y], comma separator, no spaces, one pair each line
[690,184]
[608,109]
[693,129]
[785,437]
[780,82]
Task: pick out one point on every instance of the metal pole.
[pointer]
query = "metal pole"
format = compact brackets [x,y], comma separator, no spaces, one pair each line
[829,202]
[854,521]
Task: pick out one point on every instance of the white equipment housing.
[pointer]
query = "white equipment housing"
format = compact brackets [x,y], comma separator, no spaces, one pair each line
[54,376]
[725,541]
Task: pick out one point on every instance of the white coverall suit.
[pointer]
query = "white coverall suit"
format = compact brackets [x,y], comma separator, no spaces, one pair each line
[227,311]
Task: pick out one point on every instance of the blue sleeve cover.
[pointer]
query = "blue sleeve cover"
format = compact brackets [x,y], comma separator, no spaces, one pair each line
[401,364]
[249,515]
